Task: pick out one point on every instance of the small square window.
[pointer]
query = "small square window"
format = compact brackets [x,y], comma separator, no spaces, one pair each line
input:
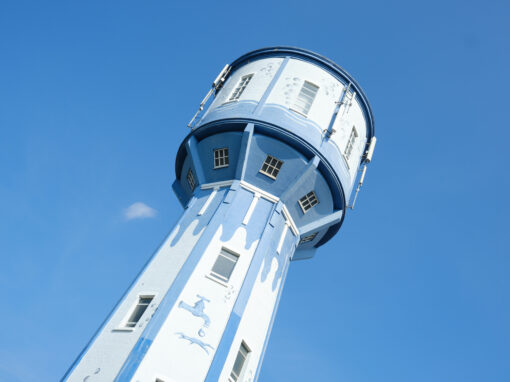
[191,180]
[241,86]
[308,201]
[221,158]
[224,265]
[138,311]
[305,98]
[271,167]
[308,238]
[239,363]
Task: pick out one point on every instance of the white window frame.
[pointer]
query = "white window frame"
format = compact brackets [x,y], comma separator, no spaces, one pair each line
[349,147]
[191,179]
[271,167]
[221,158]
[219,277]
[308,201]
[303,102]
[124,325]
[239,378]
[241,86]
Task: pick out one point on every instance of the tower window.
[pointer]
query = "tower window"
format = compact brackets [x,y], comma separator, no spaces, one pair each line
[305,98]
[242,356]
[221,158]
[241,86]
[271,167]
[224,265]
[191,180]
[350,143]
[138,311]
[308,201]
[308,238]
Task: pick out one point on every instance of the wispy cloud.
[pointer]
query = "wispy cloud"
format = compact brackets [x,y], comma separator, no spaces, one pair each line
[139,210]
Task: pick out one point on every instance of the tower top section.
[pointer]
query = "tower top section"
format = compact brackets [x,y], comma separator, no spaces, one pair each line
[324,62]
[276,112]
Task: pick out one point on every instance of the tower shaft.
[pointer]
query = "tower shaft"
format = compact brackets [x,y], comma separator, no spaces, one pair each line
[179,340]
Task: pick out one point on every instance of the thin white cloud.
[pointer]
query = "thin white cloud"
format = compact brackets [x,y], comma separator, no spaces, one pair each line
[139,210]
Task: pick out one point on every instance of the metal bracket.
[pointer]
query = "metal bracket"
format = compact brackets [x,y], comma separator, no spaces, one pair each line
[367,158]
[216,85]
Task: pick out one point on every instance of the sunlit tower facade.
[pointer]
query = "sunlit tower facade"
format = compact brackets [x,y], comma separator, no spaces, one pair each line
[265,176]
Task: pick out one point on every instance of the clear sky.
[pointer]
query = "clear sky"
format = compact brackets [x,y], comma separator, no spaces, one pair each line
[94,101]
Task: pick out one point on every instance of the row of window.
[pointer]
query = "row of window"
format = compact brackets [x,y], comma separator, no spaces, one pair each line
[302,103]
[271,167]
[221,270]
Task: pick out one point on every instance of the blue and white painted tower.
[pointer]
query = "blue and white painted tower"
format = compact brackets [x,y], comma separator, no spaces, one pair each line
[265,177]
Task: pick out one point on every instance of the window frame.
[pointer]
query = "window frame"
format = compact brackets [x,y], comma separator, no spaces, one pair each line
[268,163]
[190,177]
[238,377]
[240,88]
[125,325]
[309,201]
[225,158]
[215,276]
[350,144]
[304,111]
[308,238]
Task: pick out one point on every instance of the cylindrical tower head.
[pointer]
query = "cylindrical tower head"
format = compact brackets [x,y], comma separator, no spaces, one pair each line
[305,112]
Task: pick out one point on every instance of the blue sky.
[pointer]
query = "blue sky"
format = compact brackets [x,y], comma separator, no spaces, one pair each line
[94,100]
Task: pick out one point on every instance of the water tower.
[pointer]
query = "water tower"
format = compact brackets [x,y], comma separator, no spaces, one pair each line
[265,176]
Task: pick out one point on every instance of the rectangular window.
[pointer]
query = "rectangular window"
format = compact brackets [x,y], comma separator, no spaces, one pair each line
[308,238]
[308,201]
[242,356]
[138,311]
[271,167]
[350,143]
[221,158]
[224,265]
[241,86]
[191,180]
[305,98]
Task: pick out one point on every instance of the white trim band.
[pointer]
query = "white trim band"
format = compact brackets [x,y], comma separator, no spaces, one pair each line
[258,193]
[256,190]
[223,183]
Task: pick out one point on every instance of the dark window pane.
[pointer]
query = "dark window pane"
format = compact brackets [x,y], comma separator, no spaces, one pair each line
[224,265]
